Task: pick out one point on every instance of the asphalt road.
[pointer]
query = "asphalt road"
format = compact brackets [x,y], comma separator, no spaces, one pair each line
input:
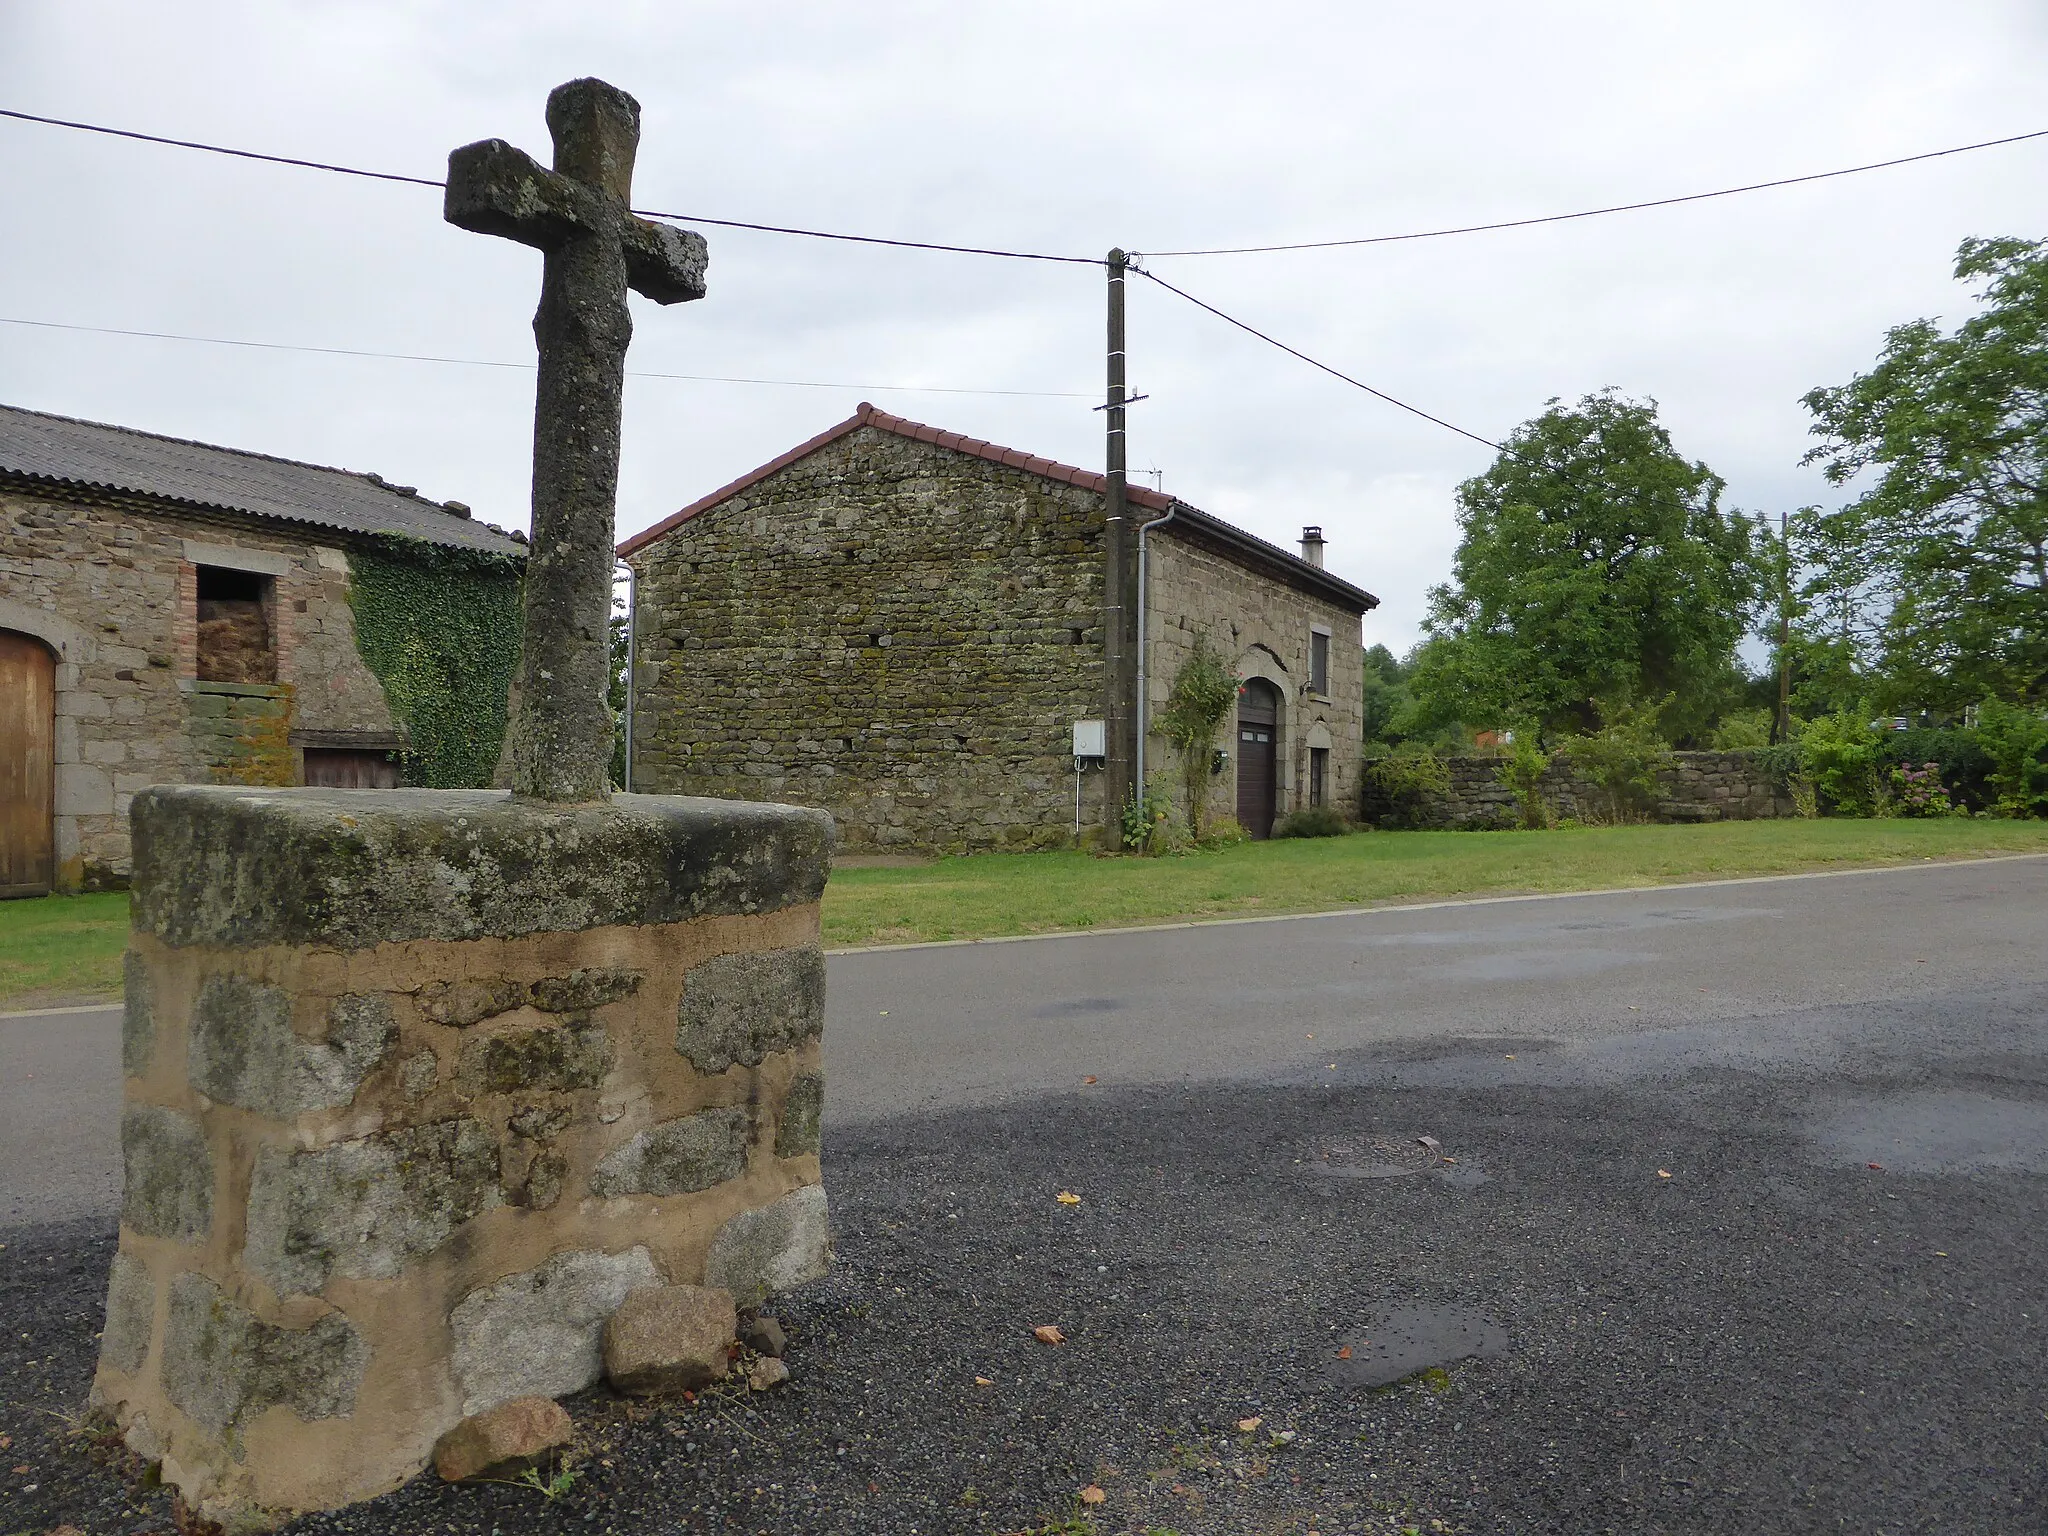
[1669,1289]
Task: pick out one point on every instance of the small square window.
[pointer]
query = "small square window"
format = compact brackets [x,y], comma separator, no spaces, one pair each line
[236,639]
[1319,662]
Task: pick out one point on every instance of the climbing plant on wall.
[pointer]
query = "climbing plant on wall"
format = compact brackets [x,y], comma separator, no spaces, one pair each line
[440,629]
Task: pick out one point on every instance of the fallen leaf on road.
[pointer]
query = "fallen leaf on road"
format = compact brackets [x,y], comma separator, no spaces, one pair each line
[1092,1495]
[1333,1066]
[1048,1333]
[1246,1426]
[1940,1253]
[1067,1197]
[1875,1167]
[1663,1173]
[1088,1080]
[1311,1037]
[1344,1353]
[1450,1159]
[983,1381]
[1430,1142]
[1507,1058]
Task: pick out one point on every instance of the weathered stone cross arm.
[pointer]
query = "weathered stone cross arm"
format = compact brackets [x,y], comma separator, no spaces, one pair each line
[558,742]
[495,188]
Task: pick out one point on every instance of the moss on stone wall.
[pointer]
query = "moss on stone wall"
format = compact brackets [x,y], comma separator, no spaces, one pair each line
[440,629]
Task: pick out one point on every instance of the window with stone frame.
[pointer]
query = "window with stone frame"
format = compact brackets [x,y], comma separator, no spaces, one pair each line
[1318,776]
[1319,661]
[237,630]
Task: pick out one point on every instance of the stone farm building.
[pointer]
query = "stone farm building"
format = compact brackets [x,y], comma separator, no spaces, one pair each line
[903,625]
[172,612]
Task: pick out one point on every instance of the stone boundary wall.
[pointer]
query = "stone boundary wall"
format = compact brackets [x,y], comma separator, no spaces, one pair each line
[419,1086]
[1700,786]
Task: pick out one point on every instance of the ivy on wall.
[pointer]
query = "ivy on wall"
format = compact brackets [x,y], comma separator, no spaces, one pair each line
[440,629]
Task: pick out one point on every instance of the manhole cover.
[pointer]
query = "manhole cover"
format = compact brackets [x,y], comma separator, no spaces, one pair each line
[1405,1341]
[1372,1157]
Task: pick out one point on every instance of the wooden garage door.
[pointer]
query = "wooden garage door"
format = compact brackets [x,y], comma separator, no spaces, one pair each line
[1258,722]
[28,731]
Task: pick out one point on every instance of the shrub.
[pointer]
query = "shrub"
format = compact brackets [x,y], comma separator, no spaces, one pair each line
[1919,792]
[1409,785]
[2015,741]
[1840,754]
[1316,821]
[1964,765]
[1224,832]
[1204,693]
[1523,773]
[1744,731]
[1623,759]
[1149,822]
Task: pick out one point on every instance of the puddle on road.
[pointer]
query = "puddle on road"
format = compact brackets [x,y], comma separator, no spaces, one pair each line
[1933,1130]
[1348,1159]
[1404,1341]
[1080,1007]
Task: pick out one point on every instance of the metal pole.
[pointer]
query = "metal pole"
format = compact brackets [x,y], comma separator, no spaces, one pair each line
[1116,576]
[1144,625]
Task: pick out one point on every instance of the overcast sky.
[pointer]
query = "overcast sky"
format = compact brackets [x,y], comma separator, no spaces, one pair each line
[1044,126]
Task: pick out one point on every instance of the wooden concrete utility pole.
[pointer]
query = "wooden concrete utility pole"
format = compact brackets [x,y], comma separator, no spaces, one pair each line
[1119,622]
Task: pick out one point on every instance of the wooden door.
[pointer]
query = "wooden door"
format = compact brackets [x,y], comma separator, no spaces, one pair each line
[1258,709]
[28,765]
[350,768]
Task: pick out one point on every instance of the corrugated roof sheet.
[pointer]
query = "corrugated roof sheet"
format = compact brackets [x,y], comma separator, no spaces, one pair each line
[96,455]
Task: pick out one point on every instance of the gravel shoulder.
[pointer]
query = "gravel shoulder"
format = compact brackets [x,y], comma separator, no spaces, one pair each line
[1775,1337]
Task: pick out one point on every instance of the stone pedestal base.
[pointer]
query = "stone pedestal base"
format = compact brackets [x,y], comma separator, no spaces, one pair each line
[420,1086]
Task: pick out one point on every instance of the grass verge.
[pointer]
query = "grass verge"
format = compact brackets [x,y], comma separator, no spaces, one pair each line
[61,949]
[997,895]
[67,949]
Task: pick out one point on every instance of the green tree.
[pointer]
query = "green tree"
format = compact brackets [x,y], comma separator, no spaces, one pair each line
[1946,552]
[1204,693]
[1596,567]
[1386,695]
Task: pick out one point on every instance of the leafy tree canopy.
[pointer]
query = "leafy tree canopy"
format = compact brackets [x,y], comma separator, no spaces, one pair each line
[1596,568]
[1948,547]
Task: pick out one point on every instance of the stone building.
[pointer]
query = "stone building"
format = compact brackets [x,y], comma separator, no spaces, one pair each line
[172,612]
[904,626]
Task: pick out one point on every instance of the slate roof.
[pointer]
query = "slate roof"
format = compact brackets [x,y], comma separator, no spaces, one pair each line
[62,450]
[1248,549]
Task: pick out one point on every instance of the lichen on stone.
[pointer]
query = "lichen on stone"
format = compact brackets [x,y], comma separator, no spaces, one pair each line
[166,1174]
[242,1049]
[742,1008]
[138,1015]
[678,1157]
[223,1364]
[366,1209]
[558,1059]
[796,1134]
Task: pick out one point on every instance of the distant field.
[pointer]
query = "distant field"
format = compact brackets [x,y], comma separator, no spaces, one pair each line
[65,949]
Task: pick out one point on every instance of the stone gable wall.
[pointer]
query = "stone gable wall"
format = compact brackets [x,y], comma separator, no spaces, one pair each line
[894,631]
[1261,628]
[1700,786]
[108,585]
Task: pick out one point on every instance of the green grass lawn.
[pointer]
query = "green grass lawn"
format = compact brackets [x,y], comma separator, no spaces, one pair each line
[68,948]
[999,894]
[61,949]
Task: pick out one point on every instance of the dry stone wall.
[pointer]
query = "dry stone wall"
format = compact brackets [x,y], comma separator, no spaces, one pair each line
[893,630]
[1699,786]
[419,1087]
[111,586]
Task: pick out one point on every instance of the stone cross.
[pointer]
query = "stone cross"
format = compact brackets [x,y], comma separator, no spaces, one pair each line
[558,745]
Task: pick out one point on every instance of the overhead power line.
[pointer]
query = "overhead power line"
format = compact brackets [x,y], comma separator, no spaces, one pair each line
[1335,373]
[423,181]
[480,362]
[1594,213]
[1089,261]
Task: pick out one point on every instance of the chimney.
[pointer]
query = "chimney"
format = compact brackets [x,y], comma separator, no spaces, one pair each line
[1312,545]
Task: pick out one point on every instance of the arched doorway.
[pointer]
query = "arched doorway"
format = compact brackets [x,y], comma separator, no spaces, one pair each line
[1258,733]
[28,765]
